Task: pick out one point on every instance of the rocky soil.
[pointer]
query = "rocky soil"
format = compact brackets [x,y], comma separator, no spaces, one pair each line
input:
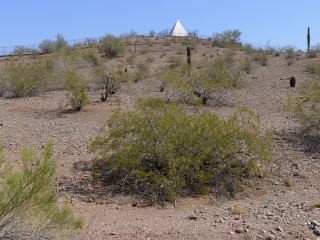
[277,208]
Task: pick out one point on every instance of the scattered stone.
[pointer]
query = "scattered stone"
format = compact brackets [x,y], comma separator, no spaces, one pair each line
[236,217]
[191,217]
[221,220]
[239,230]
[315,223]
[113,233]
[316,232]
[232,233]
[296,174]
[279,229]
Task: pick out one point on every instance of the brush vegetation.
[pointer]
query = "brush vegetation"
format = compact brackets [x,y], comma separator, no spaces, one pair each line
[160,150]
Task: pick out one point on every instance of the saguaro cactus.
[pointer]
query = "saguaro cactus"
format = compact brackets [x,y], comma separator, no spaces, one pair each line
[308,39]
[189,55]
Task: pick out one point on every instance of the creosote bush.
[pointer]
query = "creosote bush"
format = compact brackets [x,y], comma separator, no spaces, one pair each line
[76,87]
[112,46]
[305,107]
[160,151]
[20,80]
[29,207]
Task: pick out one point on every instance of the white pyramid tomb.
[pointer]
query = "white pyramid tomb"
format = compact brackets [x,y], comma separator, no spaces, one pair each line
[178,30]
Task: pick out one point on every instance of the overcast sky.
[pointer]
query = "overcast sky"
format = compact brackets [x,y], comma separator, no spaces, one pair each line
[279,22]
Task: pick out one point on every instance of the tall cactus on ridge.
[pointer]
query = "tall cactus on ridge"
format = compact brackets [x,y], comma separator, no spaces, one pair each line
[189,55]
[308,39]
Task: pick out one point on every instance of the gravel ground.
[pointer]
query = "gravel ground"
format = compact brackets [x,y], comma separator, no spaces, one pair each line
[273,210]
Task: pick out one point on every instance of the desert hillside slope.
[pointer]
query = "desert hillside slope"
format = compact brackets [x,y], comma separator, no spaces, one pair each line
[276,208]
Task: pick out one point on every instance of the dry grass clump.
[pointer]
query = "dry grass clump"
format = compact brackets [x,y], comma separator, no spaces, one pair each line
[238,210]
[288,182]
[315,203]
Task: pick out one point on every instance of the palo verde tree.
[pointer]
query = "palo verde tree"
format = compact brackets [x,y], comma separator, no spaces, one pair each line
[160,151]
[28,204]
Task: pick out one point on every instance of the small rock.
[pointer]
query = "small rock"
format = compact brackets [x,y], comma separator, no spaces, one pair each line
[239,230]
[221,220]
[113,233]
[315,223]
[279,229]
[236,218]
[232,233]
[192,218]
[316,232]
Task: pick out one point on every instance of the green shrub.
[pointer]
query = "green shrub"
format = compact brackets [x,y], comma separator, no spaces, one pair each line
[91,55]
[248,48]
[112,46]
[305,107]
[132,34]
[312,53]
[226,38]
[159,150]
[28,203]
[313,66]
[289,51]
[175,61]
[142,72]
[152,33]
[60,42]
[19,80]
[46,45]
[247,64]
[76,88]
[21,50]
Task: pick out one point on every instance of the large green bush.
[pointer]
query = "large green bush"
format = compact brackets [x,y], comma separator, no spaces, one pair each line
[20,80]
[112,46]
[29,207]
[225,38]
[203,84]
[159,150]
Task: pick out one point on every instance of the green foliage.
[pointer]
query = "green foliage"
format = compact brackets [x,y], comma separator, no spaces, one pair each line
[202,84]
[91,55]
[110,83]
[76,87]
[313,66]
[289,51]
[132,34]
[305,107]
[175,61]
[261,56]
[21,50]
[225,38]
[112,46]
[247,64]
[248,48]
[28,204]
[313,51]
[142,72]
[20,80]
[47,45]
[60,42]
[152,33]
[159,150]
